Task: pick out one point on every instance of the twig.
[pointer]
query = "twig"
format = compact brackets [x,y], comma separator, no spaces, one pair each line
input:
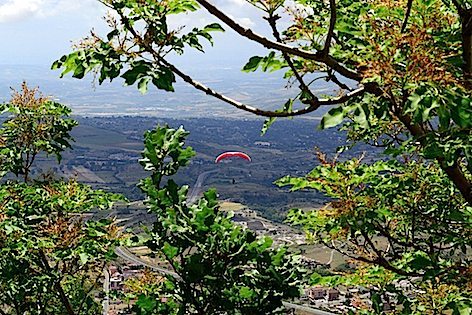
[332,77]
[64,299]
[273,24]
[79,309]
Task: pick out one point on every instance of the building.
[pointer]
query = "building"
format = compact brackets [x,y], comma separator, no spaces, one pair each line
[316,293]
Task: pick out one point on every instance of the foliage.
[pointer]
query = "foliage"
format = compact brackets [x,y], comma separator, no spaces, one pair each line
[37,125]
[119,56]
[403,71]
[406,219]
[50,257]
[218,266]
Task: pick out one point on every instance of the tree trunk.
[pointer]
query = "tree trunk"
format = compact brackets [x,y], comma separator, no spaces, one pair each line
[466,18]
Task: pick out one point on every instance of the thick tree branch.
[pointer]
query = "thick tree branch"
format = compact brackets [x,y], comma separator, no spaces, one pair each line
[248,33]
[454,172]
[466,19]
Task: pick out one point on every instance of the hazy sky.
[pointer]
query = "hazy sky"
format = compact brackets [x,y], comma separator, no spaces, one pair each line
[40,31]
[34,33]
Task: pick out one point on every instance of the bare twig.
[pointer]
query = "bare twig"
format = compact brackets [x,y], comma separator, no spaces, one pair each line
[332,77]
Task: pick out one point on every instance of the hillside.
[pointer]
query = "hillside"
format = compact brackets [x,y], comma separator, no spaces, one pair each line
[107,150]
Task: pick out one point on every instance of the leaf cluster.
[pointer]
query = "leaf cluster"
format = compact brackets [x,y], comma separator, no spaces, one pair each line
[135,48]
[34,124]
[51,259]
[407,219]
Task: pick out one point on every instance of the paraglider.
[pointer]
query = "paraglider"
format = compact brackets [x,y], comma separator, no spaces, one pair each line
[231,154]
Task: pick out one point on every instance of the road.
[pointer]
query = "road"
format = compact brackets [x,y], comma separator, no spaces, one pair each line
[197,187]
[124,253]
[106,289]
[306,309]
[127,255]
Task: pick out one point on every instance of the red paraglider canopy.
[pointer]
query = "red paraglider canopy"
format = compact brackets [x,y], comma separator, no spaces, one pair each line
[226,155]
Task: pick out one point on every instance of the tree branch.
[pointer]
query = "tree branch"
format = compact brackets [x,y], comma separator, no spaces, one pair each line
[466,33]
[62,295]
[332,23]
[454,172]
[407,15]
[248,33]
[199,86]
[332,77]
[381,261]
[378,262]
[257,111]
[92,287]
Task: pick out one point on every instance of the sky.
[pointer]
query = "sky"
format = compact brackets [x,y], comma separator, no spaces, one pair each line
[37,32]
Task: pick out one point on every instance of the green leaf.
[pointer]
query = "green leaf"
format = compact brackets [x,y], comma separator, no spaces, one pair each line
[252,64]
[135,72]
[84,257]
[214,27]
[246,292]
[146,303]
[332,118]
[267,123]
[143,85]
[164,79]
[112,34]
[169,250]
